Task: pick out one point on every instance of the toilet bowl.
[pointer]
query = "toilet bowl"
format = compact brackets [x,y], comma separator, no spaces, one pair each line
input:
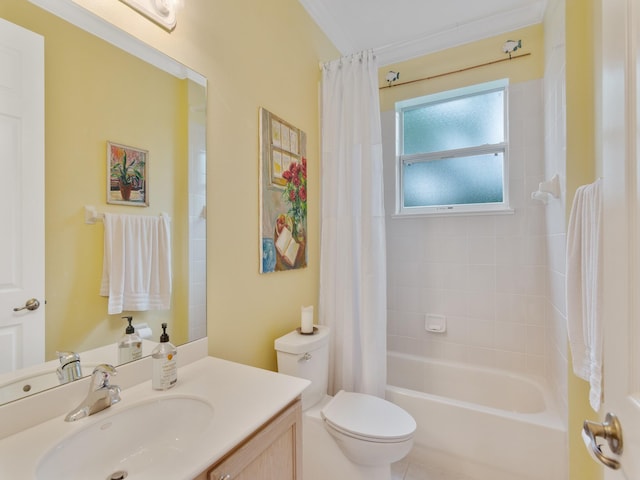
[370,431]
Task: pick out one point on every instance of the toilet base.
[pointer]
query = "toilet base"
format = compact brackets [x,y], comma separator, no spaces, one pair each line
[322,458]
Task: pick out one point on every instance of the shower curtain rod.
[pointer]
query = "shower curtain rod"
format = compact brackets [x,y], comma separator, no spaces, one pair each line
[515,57]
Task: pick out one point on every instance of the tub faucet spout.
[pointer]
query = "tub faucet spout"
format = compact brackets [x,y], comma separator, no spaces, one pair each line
[101,394]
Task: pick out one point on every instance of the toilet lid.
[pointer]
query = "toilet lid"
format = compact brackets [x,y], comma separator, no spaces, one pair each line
[368,417]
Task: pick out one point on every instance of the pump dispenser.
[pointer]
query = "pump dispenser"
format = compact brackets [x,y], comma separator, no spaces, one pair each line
[165,370]
[130,345]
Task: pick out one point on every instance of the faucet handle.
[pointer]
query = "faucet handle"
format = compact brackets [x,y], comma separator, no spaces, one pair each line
[100,376]
[66,357]
[69,368]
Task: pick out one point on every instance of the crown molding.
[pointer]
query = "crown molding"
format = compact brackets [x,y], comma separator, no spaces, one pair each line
[430,42]
[461,34]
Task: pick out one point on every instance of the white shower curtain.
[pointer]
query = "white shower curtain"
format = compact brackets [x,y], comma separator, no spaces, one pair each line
[353,259]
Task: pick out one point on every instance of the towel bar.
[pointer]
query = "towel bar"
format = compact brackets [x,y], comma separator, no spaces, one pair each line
[91,215]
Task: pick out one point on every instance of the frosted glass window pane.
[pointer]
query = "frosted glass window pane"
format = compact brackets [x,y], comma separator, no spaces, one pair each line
[454,181]
[459,123]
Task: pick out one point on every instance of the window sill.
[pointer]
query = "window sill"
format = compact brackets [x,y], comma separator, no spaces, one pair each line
[453,213]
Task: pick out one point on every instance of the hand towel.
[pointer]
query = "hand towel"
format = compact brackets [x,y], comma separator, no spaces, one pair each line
[584,287]
[136,271]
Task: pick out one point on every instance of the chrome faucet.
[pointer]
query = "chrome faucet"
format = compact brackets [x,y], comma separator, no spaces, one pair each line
[101,395]
[69,369]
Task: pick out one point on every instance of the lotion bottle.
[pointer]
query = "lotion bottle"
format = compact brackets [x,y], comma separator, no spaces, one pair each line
[165,370]
[130,345]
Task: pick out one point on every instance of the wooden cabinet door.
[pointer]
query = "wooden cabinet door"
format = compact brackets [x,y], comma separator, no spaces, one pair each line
[273,452]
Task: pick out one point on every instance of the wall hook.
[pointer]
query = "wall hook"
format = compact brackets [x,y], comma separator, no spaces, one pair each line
[546,189]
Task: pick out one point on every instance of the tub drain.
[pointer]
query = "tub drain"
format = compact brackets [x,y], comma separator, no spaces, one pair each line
[119,475]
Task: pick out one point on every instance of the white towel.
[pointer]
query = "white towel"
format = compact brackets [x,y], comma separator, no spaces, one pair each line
[584,287]
[136,271]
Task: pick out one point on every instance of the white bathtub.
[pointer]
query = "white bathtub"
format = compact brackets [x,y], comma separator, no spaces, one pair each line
[480,416]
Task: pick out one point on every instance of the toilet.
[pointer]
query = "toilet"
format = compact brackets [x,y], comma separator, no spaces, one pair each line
[370,432]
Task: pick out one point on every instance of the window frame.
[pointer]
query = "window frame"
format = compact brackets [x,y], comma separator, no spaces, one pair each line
[502,147]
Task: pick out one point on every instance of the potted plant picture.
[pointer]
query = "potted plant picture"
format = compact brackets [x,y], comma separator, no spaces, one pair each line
[127,172]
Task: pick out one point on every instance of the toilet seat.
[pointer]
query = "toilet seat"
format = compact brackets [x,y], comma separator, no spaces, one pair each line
[369,418]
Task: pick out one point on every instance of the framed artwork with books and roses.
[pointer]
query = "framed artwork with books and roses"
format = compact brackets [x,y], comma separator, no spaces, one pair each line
[283,195]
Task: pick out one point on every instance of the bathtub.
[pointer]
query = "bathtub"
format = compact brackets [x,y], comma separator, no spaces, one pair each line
[480,417]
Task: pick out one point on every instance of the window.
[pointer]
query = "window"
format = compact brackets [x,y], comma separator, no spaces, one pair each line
[452,151]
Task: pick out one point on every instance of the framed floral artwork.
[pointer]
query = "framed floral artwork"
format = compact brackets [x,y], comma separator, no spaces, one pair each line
[127,178]
[283,195]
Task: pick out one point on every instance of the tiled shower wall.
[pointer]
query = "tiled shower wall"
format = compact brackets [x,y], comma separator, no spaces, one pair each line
[486,273]
[197,233]
[555,162]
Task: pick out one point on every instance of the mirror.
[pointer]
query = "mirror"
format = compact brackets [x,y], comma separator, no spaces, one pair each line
[96,93]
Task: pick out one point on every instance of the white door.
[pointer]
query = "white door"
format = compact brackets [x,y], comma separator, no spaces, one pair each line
[621,174]
[21,196]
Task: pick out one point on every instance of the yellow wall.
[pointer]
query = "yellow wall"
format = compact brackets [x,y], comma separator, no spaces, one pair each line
[462,57]
[89,99]
[581,169]
[257,53]
[253,53]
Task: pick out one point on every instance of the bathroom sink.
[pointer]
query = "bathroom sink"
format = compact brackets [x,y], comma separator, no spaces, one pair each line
[143,438]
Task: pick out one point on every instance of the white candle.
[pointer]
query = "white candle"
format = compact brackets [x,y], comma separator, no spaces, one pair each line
[306,319]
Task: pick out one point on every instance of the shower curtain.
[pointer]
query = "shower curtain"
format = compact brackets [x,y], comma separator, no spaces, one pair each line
[352,251]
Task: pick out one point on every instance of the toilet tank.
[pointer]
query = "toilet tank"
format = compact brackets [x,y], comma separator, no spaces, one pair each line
[306,356]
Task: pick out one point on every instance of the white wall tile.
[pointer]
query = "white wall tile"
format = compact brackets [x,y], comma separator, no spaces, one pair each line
[511,361]
[409,299]
[557,252]
[510,337]
[454,276]
[454,352]
[482,278]
[481,305]
[519,195]
[482,250]
[507,250]
[483,357]
[535,365]
[431,245]
[556,365]
[516,162]
[454,302]
[480,333]
[510,225]
[454,249]
[535,340]
[557,292]
[488,274]
[483,225]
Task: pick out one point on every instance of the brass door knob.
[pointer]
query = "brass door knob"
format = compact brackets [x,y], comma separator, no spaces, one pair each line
[611,431]
[31,304]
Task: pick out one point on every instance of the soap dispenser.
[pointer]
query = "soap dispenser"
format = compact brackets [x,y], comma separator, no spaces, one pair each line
[130,345]
[165,370]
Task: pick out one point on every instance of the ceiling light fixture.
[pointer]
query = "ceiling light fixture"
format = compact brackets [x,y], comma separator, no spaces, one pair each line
[162,12]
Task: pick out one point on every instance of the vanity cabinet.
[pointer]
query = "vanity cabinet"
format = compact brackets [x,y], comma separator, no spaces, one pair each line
[274,451]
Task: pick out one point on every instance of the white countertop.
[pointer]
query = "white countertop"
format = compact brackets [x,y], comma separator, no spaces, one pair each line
[243,399]
[43,376]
